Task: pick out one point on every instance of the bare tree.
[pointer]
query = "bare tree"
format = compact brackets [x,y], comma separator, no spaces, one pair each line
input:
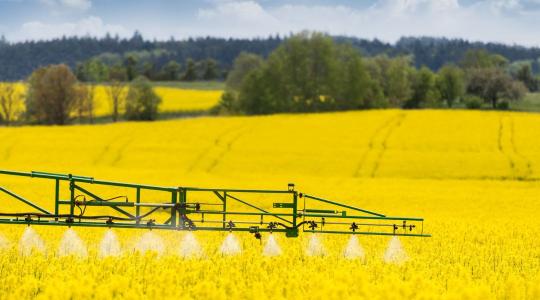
[117,90]
[11,102]
[85,102]
[51,95]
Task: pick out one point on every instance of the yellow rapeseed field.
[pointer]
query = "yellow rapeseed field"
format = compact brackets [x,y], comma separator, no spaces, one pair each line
[173,99]
[474,177]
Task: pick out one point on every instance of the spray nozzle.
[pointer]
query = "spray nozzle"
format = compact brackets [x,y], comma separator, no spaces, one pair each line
[272,226]
[312,225]
[109,221]
[353,227]
[231,225]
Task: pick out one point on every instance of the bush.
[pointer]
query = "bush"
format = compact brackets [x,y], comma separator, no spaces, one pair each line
[473,102]
[503,105]
[142,102]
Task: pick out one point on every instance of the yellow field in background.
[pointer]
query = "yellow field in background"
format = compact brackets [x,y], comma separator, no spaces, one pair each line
[173,99]
[474,176]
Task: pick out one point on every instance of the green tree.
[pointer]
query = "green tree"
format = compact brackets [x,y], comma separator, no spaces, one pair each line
[130,64]
[393,76]
[171,70]
[480,58]
[191,73]
[493,85]
[424,92]
[51,95]
[142,102]
[243,64]
[210,69]
[354,90]
[451,84]
[525,75]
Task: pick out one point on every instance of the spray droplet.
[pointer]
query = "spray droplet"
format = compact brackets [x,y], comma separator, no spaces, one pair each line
[109,246]
[4,243]
[395,254]
[190,247]
[272,247]
[150,242]
[230,245]
[354,250]
[31,242]
[71,244]
[315,246]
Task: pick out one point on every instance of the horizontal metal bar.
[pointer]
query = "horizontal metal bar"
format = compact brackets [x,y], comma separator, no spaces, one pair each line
[195,189]
[257,208]
[362,224]
[235,222]
[368,233]
[343,205]
[324,211]
[100,203]
[131,225]
[216,212]
[37,173]
[364,217]
[25,201]
[155,204]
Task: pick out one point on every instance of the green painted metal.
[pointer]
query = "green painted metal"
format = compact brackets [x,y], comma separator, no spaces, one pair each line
[343,205]
[177,208]
[24,200]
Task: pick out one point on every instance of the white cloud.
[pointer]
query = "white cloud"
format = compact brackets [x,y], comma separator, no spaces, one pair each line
[62,5]
[93,26]
[489,20]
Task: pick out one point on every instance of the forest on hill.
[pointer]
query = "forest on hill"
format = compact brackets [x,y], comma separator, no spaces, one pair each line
[18,60]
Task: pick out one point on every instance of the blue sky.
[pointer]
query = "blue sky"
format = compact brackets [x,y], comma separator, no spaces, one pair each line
[507,21]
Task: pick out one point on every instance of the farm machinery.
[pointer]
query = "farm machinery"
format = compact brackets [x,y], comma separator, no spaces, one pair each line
[84,201]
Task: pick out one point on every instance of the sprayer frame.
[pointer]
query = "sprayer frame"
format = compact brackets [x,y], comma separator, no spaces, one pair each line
[180,208]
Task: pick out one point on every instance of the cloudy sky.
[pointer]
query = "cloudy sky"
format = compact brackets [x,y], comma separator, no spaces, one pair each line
[508,21]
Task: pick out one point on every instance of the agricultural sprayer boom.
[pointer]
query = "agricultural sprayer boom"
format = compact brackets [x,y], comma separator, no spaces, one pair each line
[80,201]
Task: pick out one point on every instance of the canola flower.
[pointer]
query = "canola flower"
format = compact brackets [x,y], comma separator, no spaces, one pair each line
[472,175]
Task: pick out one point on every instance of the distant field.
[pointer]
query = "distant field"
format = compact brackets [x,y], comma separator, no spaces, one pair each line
[177,97]
[196,85]
[173,100]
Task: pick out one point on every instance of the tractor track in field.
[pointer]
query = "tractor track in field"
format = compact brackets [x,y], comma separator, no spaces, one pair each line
[386,129]
[241,131]
[217,141]
[109,147]
[520,166]
[121,150]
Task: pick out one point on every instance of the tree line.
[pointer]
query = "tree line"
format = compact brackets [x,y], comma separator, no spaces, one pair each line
[310,72]
[19,60]
[135,64]
[54,96]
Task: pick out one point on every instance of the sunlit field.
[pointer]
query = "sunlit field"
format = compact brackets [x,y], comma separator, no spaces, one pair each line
[174,99]
[473,176]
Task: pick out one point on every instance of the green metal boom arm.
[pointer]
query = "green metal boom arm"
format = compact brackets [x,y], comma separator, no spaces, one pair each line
[175,209]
